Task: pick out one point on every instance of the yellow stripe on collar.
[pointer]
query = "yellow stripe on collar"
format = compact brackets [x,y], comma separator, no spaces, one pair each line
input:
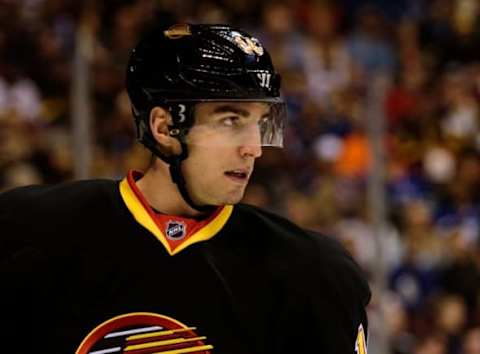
[142,216]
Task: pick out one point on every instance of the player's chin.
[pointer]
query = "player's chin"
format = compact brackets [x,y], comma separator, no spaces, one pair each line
[234,197]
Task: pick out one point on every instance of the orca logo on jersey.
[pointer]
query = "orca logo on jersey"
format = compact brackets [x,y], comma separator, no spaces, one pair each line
[146,333]
[175,230]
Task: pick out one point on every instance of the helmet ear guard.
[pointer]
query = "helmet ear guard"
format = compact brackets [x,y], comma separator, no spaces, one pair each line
[179,129]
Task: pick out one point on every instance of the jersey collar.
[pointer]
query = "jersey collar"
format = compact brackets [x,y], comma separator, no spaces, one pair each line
[145,216]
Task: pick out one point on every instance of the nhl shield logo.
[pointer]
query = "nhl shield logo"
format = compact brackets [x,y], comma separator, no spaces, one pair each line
[175,230]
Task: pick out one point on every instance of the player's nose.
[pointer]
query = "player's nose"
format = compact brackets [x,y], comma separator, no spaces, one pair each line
[251,144]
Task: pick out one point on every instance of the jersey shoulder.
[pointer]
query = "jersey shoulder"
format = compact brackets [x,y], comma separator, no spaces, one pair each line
[277,226]
[52,211]
[278,229]
[316,255]
[41,199]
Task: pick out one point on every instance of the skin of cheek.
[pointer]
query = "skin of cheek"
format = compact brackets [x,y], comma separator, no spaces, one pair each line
[204,173]
[212,151]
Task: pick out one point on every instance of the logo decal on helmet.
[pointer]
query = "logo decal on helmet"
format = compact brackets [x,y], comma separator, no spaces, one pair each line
[249,45]
[175,230]
[178,31]
[264,79]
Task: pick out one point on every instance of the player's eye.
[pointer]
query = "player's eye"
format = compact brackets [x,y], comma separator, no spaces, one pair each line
[230,121]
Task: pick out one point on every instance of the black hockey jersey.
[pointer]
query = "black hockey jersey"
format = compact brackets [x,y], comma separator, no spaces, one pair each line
[84,269]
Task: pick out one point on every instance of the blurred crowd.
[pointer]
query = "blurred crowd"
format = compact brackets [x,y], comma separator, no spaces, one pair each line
[329,54]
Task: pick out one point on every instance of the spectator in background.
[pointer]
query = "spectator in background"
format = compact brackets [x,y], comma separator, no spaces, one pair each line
[20,98]
[416,278]
[450,32]
[400,337]
[407,101]
[369,44]
[328,65]
[471,341]
[460,120]
[461,276]
[450,318]
[431,344]
[280,32]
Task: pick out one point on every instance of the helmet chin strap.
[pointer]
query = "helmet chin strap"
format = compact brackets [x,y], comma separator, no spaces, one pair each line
[175,168]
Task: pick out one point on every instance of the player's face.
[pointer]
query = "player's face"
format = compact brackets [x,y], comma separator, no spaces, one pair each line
[223,145]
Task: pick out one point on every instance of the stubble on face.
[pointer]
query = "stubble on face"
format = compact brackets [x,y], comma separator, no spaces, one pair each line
[204,172]
[217,174]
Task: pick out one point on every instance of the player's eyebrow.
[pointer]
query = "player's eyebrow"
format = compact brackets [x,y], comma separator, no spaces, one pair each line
[231,109]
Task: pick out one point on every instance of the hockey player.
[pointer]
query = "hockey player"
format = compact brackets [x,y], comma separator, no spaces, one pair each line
[168,260]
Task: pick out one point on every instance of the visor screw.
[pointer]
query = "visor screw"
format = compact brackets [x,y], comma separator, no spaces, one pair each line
[174,132]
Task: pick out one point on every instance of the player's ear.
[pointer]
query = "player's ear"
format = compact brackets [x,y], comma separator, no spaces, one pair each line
[160,122]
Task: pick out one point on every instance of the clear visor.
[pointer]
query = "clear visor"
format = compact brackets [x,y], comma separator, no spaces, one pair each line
[238,123]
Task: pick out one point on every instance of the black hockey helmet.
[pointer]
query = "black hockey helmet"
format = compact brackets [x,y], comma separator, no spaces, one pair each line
[183,65]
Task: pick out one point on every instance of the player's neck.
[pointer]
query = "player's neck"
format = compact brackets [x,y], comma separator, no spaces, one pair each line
[162,194]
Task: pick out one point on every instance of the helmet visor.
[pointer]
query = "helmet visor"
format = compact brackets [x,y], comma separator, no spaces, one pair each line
[238,123]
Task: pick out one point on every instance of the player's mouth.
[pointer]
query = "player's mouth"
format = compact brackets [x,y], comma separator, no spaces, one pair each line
[239,175]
